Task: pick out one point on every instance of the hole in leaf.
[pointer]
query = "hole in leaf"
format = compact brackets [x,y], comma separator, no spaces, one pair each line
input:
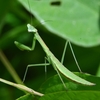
[56,3]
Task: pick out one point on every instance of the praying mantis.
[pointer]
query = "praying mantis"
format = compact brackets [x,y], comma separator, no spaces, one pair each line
[57,65]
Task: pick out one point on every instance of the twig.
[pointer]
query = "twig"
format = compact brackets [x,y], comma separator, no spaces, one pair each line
[21,87]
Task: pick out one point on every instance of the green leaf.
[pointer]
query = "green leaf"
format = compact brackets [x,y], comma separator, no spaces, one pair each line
[26,97]
[98,71]
[72,95]
[54,84]
[54,89]
[76,20]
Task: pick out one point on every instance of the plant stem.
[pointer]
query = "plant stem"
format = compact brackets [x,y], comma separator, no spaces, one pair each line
[10,68]
[21,87]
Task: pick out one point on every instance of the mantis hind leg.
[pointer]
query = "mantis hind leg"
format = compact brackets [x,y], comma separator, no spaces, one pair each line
[31,65]
[74,57]
[64,51]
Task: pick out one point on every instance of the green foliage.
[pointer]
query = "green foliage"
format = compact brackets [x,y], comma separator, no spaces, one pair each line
[72,95]
[26,97]
[53,84]
[53,89]
[81,27]
[73,20]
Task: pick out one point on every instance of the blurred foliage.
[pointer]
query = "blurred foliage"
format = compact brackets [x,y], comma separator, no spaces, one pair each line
[13,20]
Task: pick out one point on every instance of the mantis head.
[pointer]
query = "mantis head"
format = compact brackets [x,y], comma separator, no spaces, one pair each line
[22,46]
[31,28]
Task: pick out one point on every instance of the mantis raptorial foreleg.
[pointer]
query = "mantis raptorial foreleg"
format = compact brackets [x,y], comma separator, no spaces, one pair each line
[24,47]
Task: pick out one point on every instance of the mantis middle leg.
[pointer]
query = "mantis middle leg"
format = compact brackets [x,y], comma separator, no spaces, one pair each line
[31,65]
